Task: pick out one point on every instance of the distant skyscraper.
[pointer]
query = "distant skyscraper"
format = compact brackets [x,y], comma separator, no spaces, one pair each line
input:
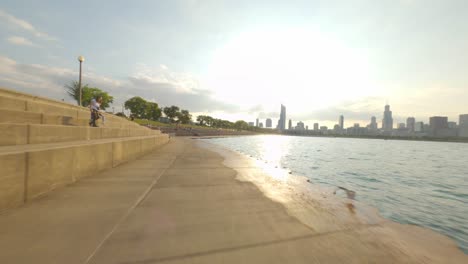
[256,122]
[300,126]
[410,123]
[341,123]
[316,126]
[401,126]
[282,120]
[260,125]
[463,120]
[268,123]
[251,123]
[438,122]
[387,122]
[419,127]
[373,123]
[290,124]
[463,126]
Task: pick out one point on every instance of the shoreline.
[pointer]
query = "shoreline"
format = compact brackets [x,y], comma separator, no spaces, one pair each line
[324,212]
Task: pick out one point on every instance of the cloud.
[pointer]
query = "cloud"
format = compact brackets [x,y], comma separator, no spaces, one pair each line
[166,87]
[20,41]
[24,25]
[356,110]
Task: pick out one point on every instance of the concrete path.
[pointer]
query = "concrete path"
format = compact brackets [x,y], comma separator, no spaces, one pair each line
[180,204]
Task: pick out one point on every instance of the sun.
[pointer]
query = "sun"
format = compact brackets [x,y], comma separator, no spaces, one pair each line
[303,68]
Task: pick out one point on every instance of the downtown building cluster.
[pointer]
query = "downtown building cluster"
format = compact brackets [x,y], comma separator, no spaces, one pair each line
[437,127]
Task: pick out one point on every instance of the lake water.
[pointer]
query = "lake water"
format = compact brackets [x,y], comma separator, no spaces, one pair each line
[411,182]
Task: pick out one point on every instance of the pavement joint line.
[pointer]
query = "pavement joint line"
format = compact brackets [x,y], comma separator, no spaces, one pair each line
[247,246]
[124,217]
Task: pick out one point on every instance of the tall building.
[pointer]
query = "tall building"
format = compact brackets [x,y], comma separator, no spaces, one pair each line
[256,122]
[251,123]
[341,122]
[282,120]
[410,123]
[438,122]
[300,126]
[463,120]
[290,124]
[438,125]
[387,122]
[268,123]
[419,127]
[373,123]
[316,126]
[260,125]
[463,126]
[452,125]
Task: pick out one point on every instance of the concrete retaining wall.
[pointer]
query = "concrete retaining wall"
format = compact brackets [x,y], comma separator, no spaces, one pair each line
[20,134]
[28,175]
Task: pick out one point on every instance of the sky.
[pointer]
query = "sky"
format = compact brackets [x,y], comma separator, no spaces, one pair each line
[242,59]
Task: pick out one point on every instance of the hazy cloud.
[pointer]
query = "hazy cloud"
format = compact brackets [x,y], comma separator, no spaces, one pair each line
[16,40]
[167,89]
[15,22]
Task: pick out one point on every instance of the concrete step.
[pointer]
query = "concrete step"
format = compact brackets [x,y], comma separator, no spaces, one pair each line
[26,117]
[17,101]
[20,134]
[29,171]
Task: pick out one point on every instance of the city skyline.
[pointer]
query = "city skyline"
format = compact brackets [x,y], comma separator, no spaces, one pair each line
[320,58]
[438,126]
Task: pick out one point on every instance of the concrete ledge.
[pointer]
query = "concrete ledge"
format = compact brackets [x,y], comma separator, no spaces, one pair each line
[90,159]
[20,134]
[12,180]
[15,116]
[13,103]
[53,133]
[47,170]
[35,170]
[13,134]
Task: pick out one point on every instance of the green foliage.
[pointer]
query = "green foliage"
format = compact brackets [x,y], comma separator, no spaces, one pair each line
[205,120]
[141,108]
[137,106]
[152,111]
[171,112]
[184,116]
[241,125]
[87,94]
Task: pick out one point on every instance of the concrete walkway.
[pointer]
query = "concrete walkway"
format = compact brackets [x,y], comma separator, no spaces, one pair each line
[180,204]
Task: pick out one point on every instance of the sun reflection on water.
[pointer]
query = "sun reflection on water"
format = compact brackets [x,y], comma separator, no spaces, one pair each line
[273,149]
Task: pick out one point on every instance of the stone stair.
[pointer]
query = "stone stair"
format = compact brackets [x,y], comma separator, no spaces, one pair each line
[46,144]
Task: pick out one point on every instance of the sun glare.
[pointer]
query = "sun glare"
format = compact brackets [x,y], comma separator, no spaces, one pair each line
[302,68]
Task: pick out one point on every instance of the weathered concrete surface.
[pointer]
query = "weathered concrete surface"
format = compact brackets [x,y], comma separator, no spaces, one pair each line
[20,134]
[31,170]
[12,175]
[180,204]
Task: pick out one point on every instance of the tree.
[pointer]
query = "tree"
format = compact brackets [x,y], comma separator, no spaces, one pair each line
[87,94]
[202,119]
[152,111]
[138,106]
[184,116]
[171,112]
[241,125]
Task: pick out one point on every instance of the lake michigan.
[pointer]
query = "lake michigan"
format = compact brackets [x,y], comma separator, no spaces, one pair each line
[410,182]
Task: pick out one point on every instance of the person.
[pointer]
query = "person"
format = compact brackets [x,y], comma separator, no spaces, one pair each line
[94,107]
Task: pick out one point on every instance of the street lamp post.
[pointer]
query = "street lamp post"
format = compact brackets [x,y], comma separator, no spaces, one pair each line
[80,59]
